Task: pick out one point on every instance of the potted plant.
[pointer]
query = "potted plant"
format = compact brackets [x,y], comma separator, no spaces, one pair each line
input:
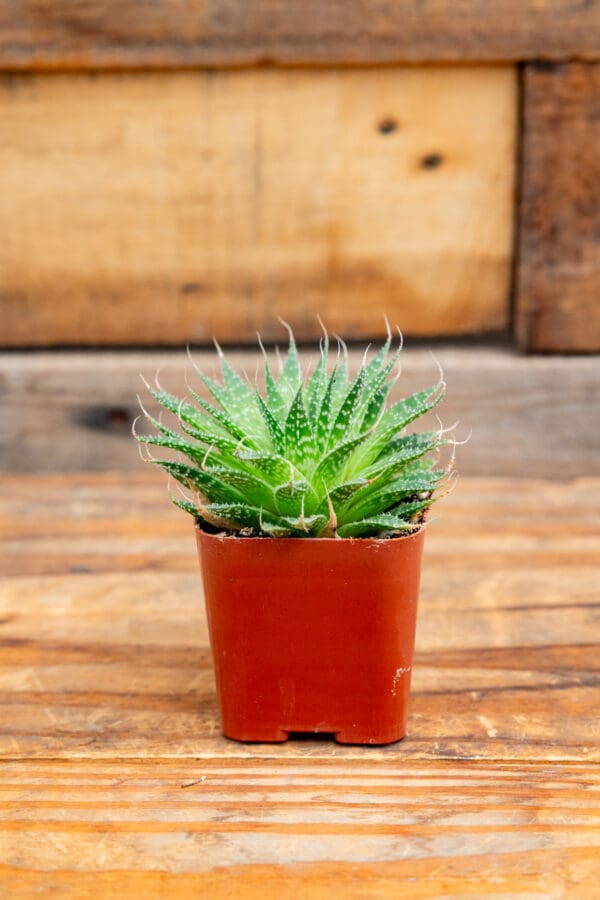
[309,504]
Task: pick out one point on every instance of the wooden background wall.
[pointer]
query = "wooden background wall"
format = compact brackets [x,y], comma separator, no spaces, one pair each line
[174,171]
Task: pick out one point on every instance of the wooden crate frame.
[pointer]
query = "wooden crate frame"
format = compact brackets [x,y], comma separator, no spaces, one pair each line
[557,44]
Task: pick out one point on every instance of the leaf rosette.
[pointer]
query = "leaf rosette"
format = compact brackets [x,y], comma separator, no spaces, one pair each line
[316,455]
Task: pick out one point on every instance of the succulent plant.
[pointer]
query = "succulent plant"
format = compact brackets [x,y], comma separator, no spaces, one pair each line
[316,456]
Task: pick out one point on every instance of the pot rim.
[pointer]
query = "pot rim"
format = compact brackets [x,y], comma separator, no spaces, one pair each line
[231,536]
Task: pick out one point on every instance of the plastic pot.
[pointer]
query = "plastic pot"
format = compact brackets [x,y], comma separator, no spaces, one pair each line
[311,634]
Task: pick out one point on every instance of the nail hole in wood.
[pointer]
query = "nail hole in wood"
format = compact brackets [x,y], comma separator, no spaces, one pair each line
[101,417]
[432,161]
[118,417]
[387,126]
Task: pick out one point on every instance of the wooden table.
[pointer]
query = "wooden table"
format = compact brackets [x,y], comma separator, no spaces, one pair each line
[116,781]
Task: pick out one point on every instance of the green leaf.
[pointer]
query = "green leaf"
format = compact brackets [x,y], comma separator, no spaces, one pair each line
[375,526]
[376,498]
[340,384]
[376,404]
[276,403]
[325,412]
[300,447]
[317,384]
[329,469]
[275,529]
[343,420]
[305,525]
[402,413]
[290,497]
[275,469]
[210,439]
[394,420]
[196,454]
[248,485]
[184,411]
[185,505]
[377,387]
[236,516]
[291,376]
[404,517]
[224,421]
[405,450]
[197,479]
[276,432]
[340,495]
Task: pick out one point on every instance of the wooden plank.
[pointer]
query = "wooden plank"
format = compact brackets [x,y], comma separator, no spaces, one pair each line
[265,830]
[162,208]
[108,657]
[97,35]
[559,240]
[73,411]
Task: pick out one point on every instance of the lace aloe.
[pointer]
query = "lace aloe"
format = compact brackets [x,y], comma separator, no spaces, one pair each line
[324,455]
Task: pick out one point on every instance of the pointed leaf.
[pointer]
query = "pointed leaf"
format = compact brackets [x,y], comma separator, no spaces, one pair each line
[186,505]
[241,515]
[290,497]
[251,487]
[195,453]
[325,415]
[375,498]
[342,424]
[405,450]
[306,524]
[377,525]
[299,439]
[291,376]
[330,467]
[276,432]
[210,439]
[317,384]
[274,469]
[222,419]
[404,412]
[197,479]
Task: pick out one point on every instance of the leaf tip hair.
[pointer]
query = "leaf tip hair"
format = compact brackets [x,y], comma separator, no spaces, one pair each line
[441,379]
[342,345]
[147,386]
[388,327]
[134,423]
[156,376]
[188,350]
[288,328]
[323,328]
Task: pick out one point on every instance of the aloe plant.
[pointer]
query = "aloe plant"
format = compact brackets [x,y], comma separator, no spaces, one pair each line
[323,455]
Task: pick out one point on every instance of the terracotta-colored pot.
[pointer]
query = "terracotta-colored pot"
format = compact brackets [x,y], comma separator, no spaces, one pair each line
[312,634]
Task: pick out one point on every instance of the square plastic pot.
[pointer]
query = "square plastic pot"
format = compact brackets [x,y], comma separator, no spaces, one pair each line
[311,634]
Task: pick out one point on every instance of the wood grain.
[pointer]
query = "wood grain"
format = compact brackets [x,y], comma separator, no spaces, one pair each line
[558,273]
[266,830]
[115,781]
[165,208]
[108,657]
[73,411]
[134,34]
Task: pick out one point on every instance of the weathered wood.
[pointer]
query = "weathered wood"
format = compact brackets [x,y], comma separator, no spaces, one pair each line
[263,829]
[73,411]
[558,276]
[164,208]
[115,781]
[133,34]
[108,657]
